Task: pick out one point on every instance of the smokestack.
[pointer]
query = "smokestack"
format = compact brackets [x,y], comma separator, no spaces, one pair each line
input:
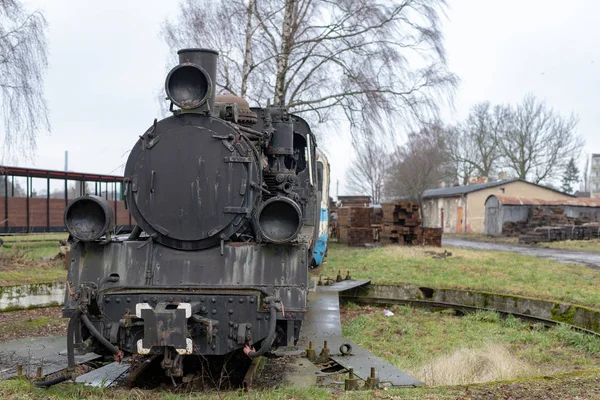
[192,83]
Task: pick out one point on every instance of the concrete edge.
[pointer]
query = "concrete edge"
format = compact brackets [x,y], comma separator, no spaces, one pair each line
[577,315]
[31,295]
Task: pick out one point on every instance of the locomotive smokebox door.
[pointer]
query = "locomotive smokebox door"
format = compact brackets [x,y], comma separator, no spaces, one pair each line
[194,181]
[165,326]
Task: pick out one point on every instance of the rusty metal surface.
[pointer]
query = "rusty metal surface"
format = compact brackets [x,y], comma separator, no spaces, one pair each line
[519,201]
[251,373]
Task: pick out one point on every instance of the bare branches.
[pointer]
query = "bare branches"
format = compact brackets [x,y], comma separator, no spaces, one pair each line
[537,142]
[529,141]
[366,174]
[474,144]
[23,61]
[419,164]
[377,62]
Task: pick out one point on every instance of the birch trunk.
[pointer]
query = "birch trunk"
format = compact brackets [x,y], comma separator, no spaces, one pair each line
[247,51]
[284,54]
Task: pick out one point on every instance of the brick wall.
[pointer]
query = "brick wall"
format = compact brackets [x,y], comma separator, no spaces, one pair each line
[38,221]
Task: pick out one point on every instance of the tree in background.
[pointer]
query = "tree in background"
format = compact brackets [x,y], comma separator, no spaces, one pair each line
[585,181]
[473,145]
[419,164]
[366,174]
[353,58]
[537,143]
[23,61]
[570,177]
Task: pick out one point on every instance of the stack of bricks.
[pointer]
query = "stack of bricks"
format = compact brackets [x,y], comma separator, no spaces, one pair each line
[354,225]
[402,225]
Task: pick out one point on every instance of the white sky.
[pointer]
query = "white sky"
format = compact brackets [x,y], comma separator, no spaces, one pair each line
[107,63]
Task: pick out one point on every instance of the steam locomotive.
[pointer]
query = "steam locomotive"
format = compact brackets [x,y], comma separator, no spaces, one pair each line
[226,199]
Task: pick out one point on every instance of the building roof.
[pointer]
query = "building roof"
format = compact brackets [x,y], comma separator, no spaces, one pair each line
[523,201]
[461,190]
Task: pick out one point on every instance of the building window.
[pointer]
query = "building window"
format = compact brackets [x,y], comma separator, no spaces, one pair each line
[502,190]
[596,187]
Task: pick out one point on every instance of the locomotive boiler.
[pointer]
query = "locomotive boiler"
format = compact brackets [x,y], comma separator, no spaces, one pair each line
[226,201]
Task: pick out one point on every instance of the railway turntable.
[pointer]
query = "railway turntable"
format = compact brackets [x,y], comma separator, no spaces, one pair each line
[322,327]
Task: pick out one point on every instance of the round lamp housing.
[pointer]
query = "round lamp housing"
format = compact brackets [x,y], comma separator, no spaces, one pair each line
[88,218]
[188,86]
[279,219]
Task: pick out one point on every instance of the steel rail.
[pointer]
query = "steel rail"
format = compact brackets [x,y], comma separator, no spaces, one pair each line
[462,307]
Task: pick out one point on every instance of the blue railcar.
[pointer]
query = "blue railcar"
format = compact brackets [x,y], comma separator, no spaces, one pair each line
[323,181]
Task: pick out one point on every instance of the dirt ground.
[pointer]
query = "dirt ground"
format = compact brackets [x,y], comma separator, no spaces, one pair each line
[32,323]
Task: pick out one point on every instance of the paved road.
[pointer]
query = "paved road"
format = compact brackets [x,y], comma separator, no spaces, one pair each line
[565,256]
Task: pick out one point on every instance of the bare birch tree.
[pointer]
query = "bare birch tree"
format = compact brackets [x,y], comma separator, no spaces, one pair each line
[371,61]
[474,144]
[419,164]
[537,142]
[23,62]
[366,174]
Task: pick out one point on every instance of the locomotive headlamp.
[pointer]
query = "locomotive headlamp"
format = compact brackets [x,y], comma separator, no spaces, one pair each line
[188,86]
[191,84]
[88,218]
[279,219]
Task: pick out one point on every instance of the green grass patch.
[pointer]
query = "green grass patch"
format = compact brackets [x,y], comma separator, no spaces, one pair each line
[429,344]
[39,237]
[583,245]
[491,271]
[28,262]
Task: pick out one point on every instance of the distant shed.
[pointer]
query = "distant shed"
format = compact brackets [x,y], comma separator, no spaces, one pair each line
[500,209]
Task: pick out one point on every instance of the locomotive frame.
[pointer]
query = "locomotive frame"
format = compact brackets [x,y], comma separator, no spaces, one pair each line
[227,205]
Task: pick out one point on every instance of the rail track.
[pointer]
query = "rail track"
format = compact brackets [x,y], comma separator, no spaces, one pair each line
[465,309]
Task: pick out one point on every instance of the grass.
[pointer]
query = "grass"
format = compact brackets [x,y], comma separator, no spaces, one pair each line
[35,237]
[24,262]
[442,349]
[492,271]
[584,245]
[583,385]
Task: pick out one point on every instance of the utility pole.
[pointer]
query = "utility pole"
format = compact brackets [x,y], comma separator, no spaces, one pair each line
[66,160]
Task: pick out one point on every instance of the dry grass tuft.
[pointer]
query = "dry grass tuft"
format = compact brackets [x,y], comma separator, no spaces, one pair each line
[466,366]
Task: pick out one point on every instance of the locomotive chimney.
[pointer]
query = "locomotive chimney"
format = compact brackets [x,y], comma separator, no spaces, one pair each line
[192,84]
[207,59]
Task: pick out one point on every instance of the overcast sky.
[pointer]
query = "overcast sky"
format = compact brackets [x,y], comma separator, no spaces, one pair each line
[107,64]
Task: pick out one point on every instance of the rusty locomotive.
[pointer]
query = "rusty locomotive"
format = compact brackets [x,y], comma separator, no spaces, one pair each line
[226,201]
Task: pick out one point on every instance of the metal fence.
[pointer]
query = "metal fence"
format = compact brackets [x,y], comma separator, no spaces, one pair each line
[34,200]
